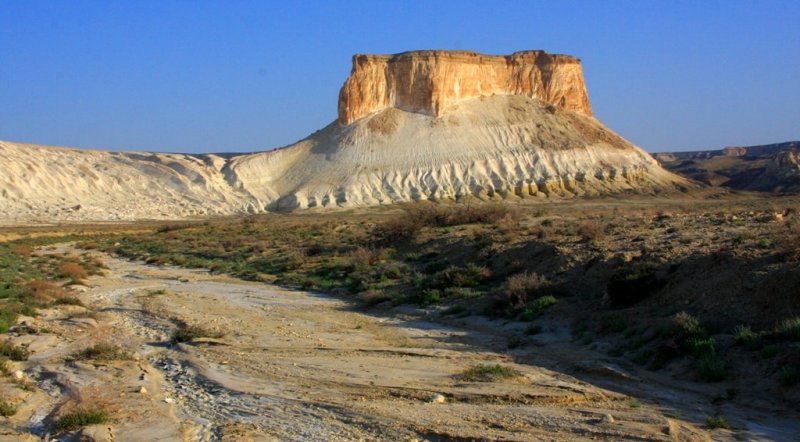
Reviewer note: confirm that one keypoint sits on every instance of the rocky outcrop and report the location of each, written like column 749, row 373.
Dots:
column 497, row 147
column 764, row 168
column 430, row 82
column 429, row 125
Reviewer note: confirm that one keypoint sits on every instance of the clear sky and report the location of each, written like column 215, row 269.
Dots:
column 235, row 76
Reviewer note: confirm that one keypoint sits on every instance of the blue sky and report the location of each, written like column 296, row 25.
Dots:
column 234, row 76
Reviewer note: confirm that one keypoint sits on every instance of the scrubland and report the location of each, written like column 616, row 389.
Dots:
column 681, row 295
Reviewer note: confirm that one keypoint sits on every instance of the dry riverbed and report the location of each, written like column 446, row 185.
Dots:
column 293, row 365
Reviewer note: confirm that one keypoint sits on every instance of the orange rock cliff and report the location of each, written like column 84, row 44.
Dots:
column 431, row 81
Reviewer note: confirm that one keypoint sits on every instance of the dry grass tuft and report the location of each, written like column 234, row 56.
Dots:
column 43, row 291
column 518, row 290
column 87, row 407
column 427, row 214
column 73, row 271
column 103, row 352
column 22, row 249
column 488, row 373
column 592, row 230
column 786, row 238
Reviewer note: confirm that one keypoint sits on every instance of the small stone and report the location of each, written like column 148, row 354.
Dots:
column 169, row 400
column 18, row 375
column 142, row 390
column 608, row 419
column 438, row 399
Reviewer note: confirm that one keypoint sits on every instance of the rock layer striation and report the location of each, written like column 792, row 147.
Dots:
column 427, row 125
column 430, row 82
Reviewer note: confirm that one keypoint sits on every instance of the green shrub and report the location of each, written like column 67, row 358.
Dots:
column 80, row 417
column 462, row 292
column 454, row 276
column 7, row 409
column 363, row 257
column 186, row 333
column 372, row 297
column 103, row 352
column 789, row 376
column 488, row 373
column 517, row 290
column 769, row 351
column 458, row 214
column 515, row 342
column 8, row 317
column 718, row 421
column 747, row 337
column 13, row 352
column 687, row 326
column 68, row 300
column 527, row 315
column 711, row 368
column 533, row 329
column 455, row 310
column 613, row 324
column 429, row 296
column 743, row 334
column 702, row 346
column 543, row 302
column 790, row 328
column 537, row 306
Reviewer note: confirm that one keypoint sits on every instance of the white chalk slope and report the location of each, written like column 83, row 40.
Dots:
column 499, row 146
column 50, row 183
column 489, row 147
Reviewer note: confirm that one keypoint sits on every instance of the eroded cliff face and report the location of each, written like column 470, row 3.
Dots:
column 429, row 125
column 429, row 82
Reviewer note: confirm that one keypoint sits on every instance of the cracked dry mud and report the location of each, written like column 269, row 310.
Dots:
column 294, row 365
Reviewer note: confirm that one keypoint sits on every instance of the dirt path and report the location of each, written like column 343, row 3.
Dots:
column 298, row 366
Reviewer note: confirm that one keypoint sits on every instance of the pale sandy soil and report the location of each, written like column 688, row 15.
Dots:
column 294, row 365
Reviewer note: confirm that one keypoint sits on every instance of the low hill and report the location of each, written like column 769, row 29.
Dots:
column 765, row 168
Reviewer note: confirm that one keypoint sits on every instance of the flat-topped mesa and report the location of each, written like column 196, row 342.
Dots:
column 431, row 81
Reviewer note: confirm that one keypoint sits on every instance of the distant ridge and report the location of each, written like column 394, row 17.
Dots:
column 765, row 168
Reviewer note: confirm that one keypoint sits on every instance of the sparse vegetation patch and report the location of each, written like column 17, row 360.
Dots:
column 88, row 406
column 719, row 421
column 13, row 352
column 103, row 352
column 488, row 373
column 711, row 368
column 790, row 328
column 643, row 282
column 81, row 416
column 789, row 376
column 186, row 333
column 7, row 409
